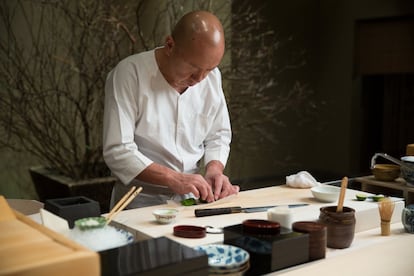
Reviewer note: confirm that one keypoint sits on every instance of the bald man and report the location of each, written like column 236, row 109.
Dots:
column 166, row 114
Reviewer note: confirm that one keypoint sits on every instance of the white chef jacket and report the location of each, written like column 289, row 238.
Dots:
column 146, row 121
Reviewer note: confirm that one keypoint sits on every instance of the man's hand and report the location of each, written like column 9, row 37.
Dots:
column 218, row 181
column 179, row 183
column 194, row 183
column 183, row 183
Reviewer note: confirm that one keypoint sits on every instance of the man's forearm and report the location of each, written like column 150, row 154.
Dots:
column 158, row 174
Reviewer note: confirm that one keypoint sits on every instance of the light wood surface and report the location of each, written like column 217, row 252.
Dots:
column 369, row 254
column 28, row 248
column 370, row 184
column 142, row 223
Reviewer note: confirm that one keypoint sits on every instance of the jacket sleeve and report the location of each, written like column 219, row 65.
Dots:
column 120, row 152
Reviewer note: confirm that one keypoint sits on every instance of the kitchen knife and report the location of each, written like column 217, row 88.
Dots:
column 238, row 209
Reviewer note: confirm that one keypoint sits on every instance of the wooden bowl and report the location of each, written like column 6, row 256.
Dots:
column 386, row 172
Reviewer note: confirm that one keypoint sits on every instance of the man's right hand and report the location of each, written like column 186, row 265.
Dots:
column 179, row 183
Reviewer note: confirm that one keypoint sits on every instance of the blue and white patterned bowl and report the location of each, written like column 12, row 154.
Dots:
column 407, row 218
column 408, row 173
column 223, row 256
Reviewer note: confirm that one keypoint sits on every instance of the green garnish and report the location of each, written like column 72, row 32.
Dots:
column 361, row 197
column 377, row 197
column 192, row 201
column 188, row 201
column 90, row 223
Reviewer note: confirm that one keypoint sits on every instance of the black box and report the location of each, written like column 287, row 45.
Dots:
column 159, row 256
column 269, row 252
column 73, row 208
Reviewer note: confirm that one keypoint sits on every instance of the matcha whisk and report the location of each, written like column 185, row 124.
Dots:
column 386, row 209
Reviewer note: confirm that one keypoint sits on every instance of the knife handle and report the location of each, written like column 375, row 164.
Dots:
column 216, row 211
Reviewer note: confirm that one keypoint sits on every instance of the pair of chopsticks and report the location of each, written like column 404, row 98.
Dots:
column 123, row 202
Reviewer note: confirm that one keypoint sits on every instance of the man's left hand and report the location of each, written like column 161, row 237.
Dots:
column 219, row 182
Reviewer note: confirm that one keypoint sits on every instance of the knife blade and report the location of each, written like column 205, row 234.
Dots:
column 238, row 209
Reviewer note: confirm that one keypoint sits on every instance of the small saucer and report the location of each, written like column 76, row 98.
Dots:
column 189, row 231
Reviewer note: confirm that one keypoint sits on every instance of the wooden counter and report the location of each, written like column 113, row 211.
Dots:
column 369, row 254
column 397, row 187
column 143, row 224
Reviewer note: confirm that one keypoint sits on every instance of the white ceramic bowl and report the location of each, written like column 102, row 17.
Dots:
column 165, row 216
column 326, row 193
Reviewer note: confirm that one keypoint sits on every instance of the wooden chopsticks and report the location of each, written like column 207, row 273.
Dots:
column 123, row 202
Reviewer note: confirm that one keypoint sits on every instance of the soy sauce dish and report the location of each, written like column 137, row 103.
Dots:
column 165, row 216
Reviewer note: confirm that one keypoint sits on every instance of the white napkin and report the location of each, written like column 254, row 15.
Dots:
column 302, row 179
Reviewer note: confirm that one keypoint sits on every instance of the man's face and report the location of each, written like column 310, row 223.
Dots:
column 191, row 64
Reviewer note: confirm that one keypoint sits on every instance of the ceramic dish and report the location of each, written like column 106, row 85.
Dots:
column 165, row 216
column 189, row 231
column 223, row 256
column 90, row 223
column 326, row 193
column 239, row 270
column 408, row 172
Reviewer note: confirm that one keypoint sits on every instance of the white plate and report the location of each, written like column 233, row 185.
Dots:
column 223, row 256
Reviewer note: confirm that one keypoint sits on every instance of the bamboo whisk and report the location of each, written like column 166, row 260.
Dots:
column 386, row 208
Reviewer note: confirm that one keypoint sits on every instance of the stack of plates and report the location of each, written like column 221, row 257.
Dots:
column 225, row 259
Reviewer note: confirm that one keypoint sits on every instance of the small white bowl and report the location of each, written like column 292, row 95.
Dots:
column 326, row 193
column 165, row 216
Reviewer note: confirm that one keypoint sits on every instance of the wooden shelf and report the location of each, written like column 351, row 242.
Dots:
column 398, row 187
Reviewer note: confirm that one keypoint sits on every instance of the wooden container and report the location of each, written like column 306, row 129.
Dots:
column 28, row 248
column 410, row 149
column 386, row 172
column 317, row 237
column 340, row 226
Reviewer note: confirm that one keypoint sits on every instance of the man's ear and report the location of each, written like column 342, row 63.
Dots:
column 169, row 43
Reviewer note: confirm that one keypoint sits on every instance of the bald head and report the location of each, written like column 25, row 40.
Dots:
column 192, row 51
column 199, row 27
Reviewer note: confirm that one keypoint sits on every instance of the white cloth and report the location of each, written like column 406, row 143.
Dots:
column 302, row 179
column 146, row 120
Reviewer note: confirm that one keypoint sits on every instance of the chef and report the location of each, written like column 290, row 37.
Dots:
column 166, row 116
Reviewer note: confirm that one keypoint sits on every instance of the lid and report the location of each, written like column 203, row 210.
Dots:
column 261, row 227
column 189, row 231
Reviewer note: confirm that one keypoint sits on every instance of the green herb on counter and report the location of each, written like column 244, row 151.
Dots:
column 188, row 201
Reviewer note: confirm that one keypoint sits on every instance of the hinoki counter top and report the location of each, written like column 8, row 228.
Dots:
column 142, row 222
column 369, row 254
